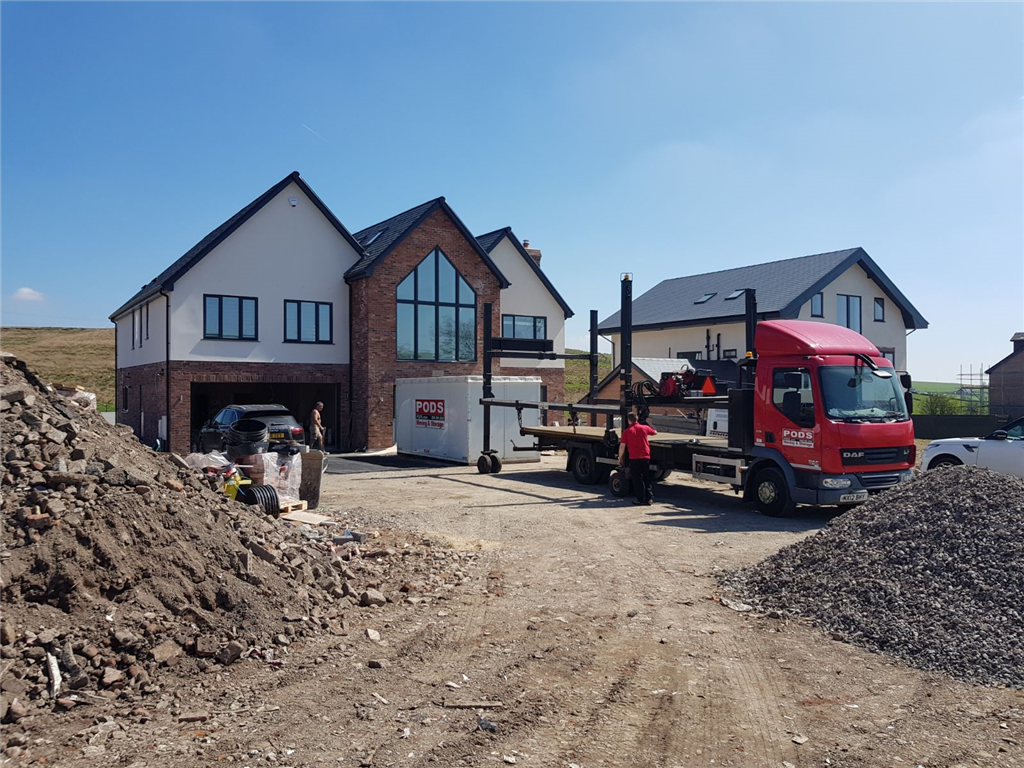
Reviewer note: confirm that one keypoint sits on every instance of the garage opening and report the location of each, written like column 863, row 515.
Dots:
column 208, row 399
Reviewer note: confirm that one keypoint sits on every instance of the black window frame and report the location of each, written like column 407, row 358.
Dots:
column 697, row 355
column 533, row 321
column 147, row 320
column 820, row 297
column 220, row 317
column 124, row 399
column 736, row 294
column 730, row 354
column 316, row 321
column 879, row 305
column 706, row 297
column 415, row 302
column 889, row 353
column 133, row 329
column 860, row 313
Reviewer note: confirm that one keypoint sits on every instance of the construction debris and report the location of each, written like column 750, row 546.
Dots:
column 931, row 572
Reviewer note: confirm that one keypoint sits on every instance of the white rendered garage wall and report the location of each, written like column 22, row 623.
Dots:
column 671, row 341
column 527, row 295
column 148, row 345
column 890, row 334
column 280, row 253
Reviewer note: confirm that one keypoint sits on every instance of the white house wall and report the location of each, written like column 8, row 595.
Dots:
column 527, row 295
column 142, row 350
column 672, row 341
column 891, row 334
column 280, row 253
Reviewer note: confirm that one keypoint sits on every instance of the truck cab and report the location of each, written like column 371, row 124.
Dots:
column 830, row 421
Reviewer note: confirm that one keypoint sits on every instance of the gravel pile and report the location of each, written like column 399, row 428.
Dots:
column 123, row 571
column 931, row 572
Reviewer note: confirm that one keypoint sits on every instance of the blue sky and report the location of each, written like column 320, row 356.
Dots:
column 662, row 139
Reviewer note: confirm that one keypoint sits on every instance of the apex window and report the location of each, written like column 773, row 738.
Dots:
column 230, row 317
column 848, row 311
column 308, row 322
column 817, row 305
column 879, row 310
column 524, row 327
column 436, row 312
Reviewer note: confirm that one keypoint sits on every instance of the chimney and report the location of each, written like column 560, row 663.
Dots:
column 534, row 252
column 1018, row 341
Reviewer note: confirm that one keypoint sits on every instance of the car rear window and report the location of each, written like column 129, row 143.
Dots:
column 279, row 416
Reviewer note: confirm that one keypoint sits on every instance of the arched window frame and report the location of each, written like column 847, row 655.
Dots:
column 428, row 303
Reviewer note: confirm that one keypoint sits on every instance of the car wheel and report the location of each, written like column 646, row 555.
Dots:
column 771, row 493
column 944, row 461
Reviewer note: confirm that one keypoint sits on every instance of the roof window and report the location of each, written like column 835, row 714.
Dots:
column 736, row 294
column 705, row 298
column 375, row 235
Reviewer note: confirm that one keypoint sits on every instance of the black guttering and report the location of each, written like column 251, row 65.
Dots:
column 366, row 270
column 533, row 265
column 165, row 281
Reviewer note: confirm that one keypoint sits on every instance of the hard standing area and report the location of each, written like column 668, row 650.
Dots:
column 596, row 626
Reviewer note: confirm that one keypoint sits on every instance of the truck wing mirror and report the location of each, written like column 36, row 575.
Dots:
column 793, row 380
column 909, row 399
column 906, row 381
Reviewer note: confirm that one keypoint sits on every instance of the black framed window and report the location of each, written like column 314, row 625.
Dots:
column 848, row 311
column 147, row 319
column 308, row 322
column 133, row 329
column 230, row 317
column 729, row 354
column 524, row 327
column 879, row 310
column 818, row 305
column 693, row 355
column 889, row 354
column 124, row 399
column 435, row 312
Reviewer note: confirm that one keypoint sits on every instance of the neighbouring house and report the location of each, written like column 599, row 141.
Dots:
column 701, row 317
column 1006, row 382
column 282, row 303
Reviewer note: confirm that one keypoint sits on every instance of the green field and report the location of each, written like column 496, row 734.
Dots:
column 577, row 374
column 76, row 356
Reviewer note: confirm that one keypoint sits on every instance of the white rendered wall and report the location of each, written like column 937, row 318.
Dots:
column 669, row 342
column 527, row 295
column 280, row 253
column 151, row 350
column 891, row 334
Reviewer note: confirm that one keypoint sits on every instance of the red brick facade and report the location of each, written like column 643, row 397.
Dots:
column 374, row 341
column 141, row 399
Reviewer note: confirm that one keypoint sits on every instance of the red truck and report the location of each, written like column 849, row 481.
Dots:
column 817, row 416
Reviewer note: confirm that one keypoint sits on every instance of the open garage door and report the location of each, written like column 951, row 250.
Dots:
column 208, row 399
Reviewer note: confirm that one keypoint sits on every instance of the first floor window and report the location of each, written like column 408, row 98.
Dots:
column 848, row 311
column 729, row 354
column 817, row 305
column 308, row 322
column 230, row 317
column 524, row 327
column 694, row 355
column 435, row 312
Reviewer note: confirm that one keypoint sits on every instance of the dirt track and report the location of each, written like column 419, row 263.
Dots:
column 591, row 621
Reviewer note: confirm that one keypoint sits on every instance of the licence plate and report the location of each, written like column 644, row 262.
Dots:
column 277, row 435
column 858, row 496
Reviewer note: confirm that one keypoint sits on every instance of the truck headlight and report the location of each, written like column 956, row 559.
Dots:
column 836, row 482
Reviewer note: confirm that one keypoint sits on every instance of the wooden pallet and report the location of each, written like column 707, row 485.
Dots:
column 295, row 506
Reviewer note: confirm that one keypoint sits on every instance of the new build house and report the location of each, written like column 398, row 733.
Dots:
column 701, row 317
column 282, row 303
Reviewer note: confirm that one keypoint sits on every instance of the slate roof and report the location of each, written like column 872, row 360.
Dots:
column 378, row 240
column 166, row 279
column 782, row 288
column 490, row 240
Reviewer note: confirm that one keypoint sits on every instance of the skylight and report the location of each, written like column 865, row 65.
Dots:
column 375, row 235
column 706, row 297
column 735, row 294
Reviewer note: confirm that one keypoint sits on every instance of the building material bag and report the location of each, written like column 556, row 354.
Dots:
column 287, row 474
column 313, row 465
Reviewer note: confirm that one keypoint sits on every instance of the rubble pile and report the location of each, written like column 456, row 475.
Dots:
column 122, row 568
column 931, row 572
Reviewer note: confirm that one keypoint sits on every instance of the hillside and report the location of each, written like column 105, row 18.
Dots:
column 82, row 356
column 577, row 374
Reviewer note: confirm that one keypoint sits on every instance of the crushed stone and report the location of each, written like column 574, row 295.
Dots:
column 930, row 572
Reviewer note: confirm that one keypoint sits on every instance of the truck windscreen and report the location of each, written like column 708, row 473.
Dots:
column 854, row 393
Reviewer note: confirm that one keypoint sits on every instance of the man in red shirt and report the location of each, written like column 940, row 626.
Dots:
column 634, row 439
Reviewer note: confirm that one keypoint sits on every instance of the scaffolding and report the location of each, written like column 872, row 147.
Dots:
column 972, row 393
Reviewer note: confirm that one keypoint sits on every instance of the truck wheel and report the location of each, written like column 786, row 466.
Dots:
column 618, row 484
column 584, row 468
column 495, row 463
column 771, row 494
column 661, row 475
column 945, row 461
column 483, row 465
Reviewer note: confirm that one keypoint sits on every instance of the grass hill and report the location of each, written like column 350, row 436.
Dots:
column 78, row 356
column 577, row 374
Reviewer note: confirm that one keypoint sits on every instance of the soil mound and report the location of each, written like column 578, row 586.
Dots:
column 120, row 566
column 931, row 572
